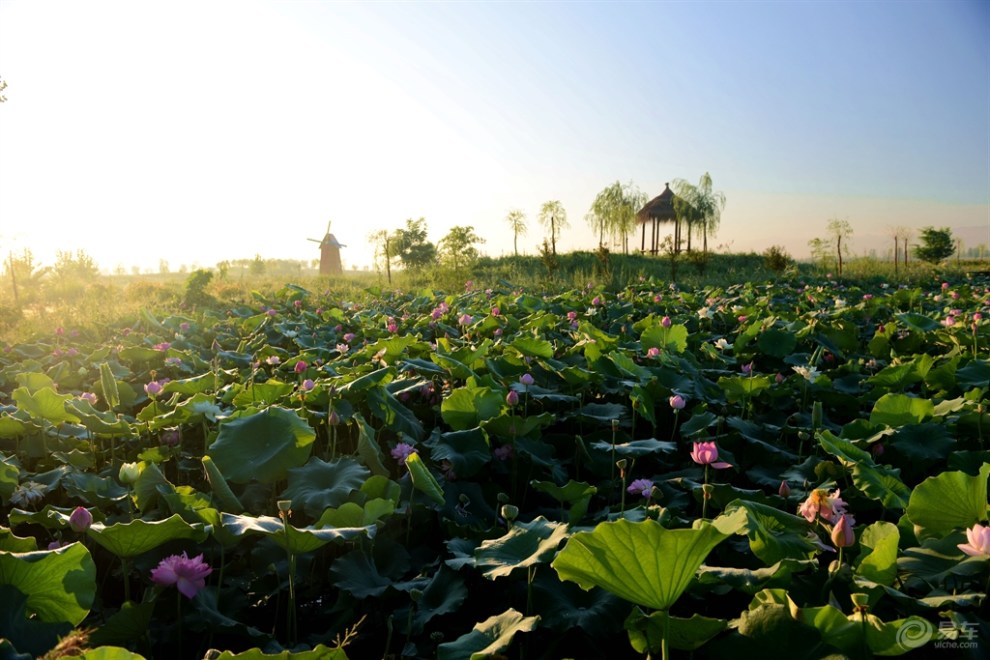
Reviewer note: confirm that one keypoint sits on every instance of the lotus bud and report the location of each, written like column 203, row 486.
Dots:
column 80, row 519
column 129, row 473
column 784, row 490
column 816, row 415
column 843, row 535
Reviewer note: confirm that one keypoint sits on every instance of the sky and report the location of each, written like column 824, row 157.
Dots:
column 200, row 131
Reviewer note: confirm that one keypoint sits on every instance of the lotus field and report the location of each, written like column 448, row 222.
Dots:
column 786, row 470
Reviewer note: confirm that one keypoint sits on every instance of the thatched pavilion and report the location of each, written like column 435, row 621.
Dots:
column 657, row 210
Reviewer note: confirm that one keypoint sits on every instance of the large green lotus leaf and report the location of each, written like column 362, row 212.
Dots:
column 294, row 539
column 917, row 322
column 644, row 403
column 739, row 388
column 23, row 637
column 751, row 581
column 526, row 544
column 139, row 536
column 386, row 407
column 139, row 354
column 532, row 347
column 262, row 446
column 351, row 514
column 8, row 478
column 878, row 552
column 895, row 410
column 125, row 626
column 467, row 407
column 368, row 381
column 974, row 374
column 672, row 339
column 34, row 381
column 11, row 427
column 368, row 448
column 774, row 535
column 467, row 451
column 777, row 343
column 101, row 422
column 393, row 348
column 263, row 394
column 635, row 448
column 44, row 404
column 564, row 606
column 319, row 652
column 646, row 632
column 207, row 382
column 513, row 426
column 641, row 562
column 110, row 653
column 576, row 493
column 444, row 594
column 319, row 485
column 146, row 486
column 605, row 412
column 628, row 367
column 60, row 585
column 876, row 482
column 938, row 559
column 836, row 629
column 10, row 542
column 947, row 502
column 490, row 637
column 357, row 574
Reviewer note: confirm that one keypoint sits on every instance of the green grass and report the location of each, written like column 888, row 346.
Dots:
column 102, row 304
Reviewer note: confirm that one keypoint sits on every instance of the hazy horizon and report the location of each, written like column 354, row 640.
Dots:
column 201, row 132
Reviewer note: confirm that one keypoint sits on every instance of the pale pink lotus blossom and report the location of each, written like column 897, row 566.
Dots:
column 188, row 575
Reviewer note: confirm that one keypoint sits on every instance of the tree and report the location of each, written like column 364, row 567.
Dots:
column 457, row 249
column 937, row 244
column 516, row 220
column 553, row 217
column 707, row 205
column 382, row 241
column 3, row 86
column 411, row 246
column 614, row 213
column 840, row 231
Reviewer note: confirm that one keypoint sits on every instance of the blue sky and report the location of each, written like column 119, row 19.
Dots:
column 200, row 131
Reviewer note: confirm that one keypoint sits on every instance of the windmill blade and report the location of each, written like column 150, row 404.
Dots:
column 328, row 225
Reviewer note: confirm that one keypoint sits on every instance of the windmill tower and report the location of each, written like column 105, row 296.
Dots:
column 329, row 254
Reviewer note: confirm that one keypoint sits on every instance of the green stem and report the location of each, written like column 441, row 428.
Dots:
column 704, row 497
column 125, row 570
column 178, row 618
column 664, row 649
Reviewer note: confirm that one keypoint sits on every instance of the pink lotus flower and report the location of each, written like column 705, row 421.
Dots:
column 571, row 316
column 512, row 398
column 677, row 402
column 784, row 490
column 349, row 337
column 80, row 519
column 822, row 503
column 300, row 366
column 188, row 575
column 706, row 453
column 641, row 487
column 496, row 311
column 89, row 396
column 402, row 451
column 308, row 385
column 503, row 452
column 526, row 379
column 153, row 389
column 979, row 541
column 466, row 319
column 666, row 322
column 843, row 535
column 653, row 352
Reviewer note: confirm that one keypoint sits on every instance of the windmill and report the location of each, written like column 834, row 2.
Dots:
column 329, row 253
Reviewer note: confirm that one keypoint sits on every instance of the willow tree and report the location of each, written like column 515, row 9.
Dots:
column 516, row 220
column 706, row 204
column 613, row 213
column 553, row 217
